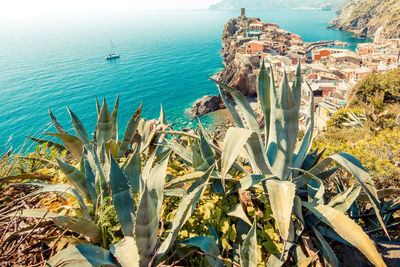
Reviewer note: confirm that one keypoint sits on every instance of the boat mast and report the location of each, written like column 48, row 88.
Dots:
column 112, row 47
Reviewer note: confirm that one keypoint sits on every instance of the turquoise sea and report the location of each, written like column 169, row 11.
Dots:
column 166, row 56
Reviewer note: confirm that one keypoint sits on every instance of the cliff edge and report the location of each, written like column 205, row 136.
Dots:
column 239, row 72
column 365, row 17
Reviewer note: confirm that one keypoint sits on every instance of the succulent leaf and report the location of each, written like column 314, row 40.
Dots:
column 206, row 151
column 114, row 119
column 122, row 199
column 364, row 179
column 77, row 178
column 248, row 252
column 184, row 211
column 72, row 143
column 207, row 245
column 82, row 255
column 281, row 197
column 238, row 212
column 90, row 181
column 180, row 150
column 243, row 105
column 133, row 169
column 156, row 181
column 126, row 252
column 56, row 123
column 104, row 127
column 344, row 200
column 264, row 98
column 235, row 139
column 308, row 137
column 256, row 155
column 79, row 225
column 130, row 131
column 57, row 146
column 146, row 227
column 61, row 190
column 80, row 130
column 284, row 132
column 162, row 119
column 297, row 85
column 232, row 110
column 327, row 251
column 347, row 229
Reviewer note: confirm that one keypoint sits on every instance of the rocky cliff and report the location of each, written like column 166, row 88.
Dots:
column 239, row 70
column 365, row 17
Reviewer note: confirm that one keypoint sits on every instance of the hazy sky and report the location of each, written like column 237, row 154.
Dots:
column 21, row 8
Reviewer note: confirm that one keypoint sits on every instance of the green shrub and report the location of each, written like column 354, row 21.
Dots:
column 382, row 84
column 342, row 116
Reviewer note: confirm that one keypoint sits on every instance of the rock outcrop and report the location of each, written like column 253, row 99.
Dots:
column 365, row 17
column 206, row 104
column 239, row 71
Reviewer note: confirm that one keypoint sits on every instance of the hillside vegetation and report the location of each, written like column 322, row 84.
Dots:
column 369, row 128
column 365, row 17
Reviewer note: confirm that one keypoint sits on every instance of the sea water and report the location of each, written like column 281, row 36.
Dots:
column 166, row 56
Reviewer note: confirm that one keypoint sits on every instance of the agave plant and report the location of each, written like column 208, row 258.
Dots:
column 355, row 121
column 293, row 179
column 101, row 176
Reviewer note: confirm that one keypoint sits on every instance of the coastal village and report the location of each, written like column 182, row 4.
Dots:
column 331, row 72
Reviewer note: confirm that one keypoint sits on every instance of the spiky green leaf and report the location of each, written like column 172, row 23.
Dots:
column 61, row 190
column 114, row 119
column 75, row 224
column 281, row 196
column 235, row 139
column 207, row 245
column 80, row 130
column 77, row 178
column 104, row 127
column 347, row 229
column 146, row 227
column 243, row 105
column 264, row 98
column 344, row 200
column 283, row 134
column 249, row 252
column 84, row 255
column 184, row 211
column 327, row 251
column 72, row 143
column 126, row 252
column 123, row 201
column 130, row 131
column 133, row 169
column 238, row 212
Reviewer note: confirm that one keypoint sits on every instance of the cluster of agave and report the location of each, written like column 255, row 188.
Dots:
column 101, row 176
column 292, row 179
column 355, row 121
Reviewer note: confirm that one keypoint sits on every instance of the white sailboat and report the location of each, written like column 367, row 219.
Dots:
column 112, row 55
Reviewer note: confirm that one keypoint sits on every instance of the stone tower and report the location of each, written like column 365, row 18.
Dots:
column 243, row 12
